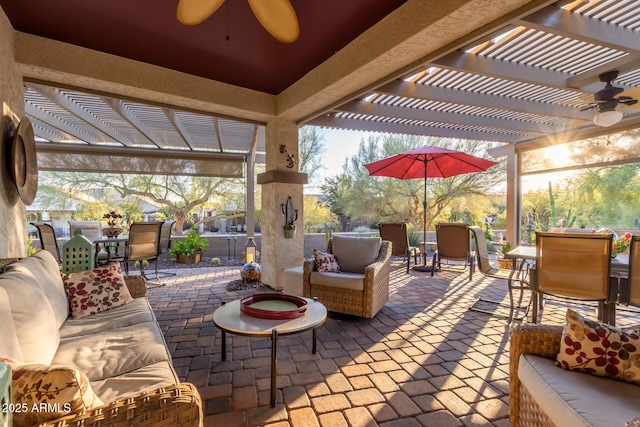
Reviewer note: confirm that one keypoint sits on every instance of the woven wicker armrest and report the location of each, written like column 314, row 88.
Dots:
column 137, row 286
column 539, row 340
column 177, row 405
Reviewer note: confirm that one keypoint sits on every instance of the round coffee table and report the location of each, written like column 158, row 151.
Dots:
column 229, row 318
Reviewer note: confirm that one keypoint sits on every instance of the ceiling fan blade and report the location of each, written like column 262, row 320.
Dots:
column 633, row 94
column 193, row 12
column 277, row 17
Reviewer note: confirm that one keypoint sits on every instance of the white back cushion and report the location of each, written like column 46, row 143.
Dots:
column 34, row 320
column 354, row 254
column 9, row 345
column 42, row 268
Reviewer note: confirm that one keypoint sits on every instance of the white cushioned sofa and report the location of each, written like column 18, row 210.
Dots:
column 361, row 287
column 121, row 350
column 543, row 394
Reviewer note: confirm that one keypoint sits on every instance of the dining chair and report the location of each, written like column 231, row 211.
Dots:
column 454, row 244
column 165, row 244
column 48, row 240
column 575, row 266
column 90, row 229
column 396, row 233
column 143, row 244
column 630, row 286
column 517, row 278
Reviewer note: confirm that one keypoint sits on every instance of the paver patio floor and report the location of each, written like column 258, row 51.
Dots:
column 424, row 360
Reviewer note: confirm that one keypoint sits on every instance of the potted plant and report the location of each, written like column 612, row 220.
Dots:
column 113, row 221
column 502, row 261
column 189, row 249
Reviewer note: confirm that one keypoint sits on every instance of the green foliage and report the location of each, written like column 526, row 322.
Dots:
column 92, row 211
column 215, row 261
column 328, row 233
column 145, row 264
column 317, row 215
column 190, row 244
column 30, row 249
column 362, row 229
column 356, row 194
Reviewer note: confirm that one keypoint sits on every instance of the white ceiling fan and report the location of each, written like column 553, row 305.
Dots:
column 276, row 16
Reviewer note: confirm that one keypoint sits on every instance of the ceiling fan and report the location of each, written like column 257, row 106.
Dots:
column 276, row 16
column 607, row 100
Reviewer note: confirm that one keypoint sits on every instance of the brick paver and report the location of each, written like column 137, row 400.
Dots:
column 424, row 360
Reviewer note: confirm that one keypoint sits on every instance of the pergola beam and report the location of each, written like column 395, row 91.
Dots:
column 64, row 126
column 447, row 131
column 216, row 127
column 392, row 111
column 173, row 118
column 121, row 108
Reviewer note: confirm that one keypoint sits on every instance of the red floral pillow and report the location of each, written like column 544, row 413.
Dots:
column 325, row 262
column 599, row 349
column 96, row 290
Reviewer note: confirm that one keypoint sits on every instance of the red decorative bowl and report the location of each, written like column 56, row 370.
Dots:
column 273, row 306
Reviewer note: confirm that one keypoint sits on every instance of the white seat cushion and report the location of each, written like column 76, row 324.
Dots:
column 136, row 312
column 578, row 399
column 351, row 281
column 142, row 379
column 111, row 353
column 293, row 281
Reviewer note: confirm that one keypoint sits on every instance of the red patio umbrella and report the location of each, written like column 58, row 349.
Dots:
column 428, row 162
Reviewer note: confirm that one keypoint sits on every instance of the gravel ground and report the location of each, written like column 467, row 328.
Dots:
column 166, row 262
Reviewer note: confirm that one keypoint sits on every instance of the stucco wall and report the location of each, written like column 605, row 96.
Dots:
column 12, row 210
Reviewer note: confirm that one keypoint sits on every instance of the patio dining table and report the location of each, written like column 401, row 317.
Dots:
column 113, row 246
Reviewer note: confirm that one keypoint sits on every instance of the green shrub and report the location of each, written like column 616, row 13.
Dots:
column 189, row 245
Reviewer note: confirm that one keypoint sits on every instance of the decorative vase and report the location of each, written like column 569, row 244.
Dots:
column 251, row 272
column 111, row 231
column 289, row 232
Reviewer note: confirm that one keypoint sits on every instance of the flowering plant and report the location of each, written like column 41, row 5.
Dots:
column 112, row 218
column 620, row 244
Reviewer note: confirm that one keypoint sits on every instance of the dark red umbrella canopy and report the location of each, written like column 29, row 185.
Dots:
column 428, row 162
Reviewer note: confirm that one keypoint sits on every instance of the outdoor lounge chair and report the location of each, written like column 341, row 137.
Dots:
column 361, row 288
column 516, row 278
column 396, row 233
column 454, row 244
column 574, row 266
column 48, row 240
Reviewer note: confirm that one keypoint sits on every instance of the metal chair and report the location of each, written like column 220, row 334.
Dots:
column 165, row 244
column 516, row 278
column 48, row 240
column 90, row 229
column 143, row 244
column 575, row 266
column 454, row 244
column 396, row 233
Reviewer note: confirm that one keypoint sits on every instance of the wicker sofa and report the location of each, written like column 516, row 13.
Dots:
column 361, row 288
column 542, row 394
column 120, row 351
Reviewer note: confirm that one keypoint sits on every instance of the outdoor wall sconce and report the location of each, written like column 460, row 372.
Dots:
column 291, row 216
column 250, row 251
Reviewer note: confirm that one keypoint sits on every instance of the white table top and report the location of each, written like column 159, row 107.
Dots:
column 229, row 318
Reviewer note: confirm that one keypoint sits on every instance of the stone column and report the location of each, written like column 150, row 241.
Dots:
column 280, row 181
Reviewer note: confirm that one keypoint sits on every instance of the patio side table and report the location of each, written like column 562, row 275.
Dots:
column 229, row 318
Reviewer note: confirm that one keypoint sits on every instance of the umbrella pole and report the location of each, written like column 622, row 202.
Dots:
column 424, row 267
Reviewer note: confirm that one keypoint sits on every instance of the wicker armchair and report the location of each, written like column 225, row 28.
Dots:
column 539, row 340
column 177, row 405
column 365, row 303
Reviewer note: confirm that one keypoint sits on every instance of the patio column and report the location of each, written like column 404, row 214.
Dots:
column 12, row 210
column 513, row 196
column 280, row 181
